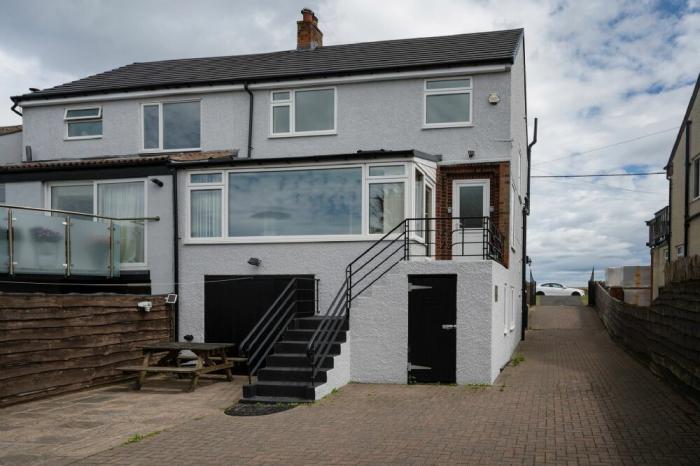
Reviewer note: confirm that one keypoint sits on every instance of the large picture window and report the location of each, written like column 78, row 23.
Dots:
column 171, row 126
column 448, row 102
column 302, row 112
column 295, row 202
column 112, row 199
column 310, row 203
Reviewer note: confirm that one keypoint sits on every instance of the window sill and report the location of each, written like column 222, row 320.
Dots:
column 448, row 125
column 299, row 135
column 168, row 151
column 285, row 239
column 82, row 138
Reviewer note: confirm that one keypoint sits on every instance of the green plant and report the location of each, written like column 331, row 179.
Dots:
column 412, row 379
column 138, row 437
column 517, row 359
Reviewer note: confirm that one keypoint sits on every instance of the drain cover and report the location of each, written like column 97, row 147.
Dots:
column 257, row 409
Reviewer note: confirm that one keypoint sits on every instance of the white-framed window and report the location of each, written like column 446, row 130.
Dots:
column 695, row 176
column 513, row 305
column 386, row 197
column 303, row 112
column 112, row 198
column 505, row 308
column 447, row 102
column 278, row 204
column 514, row 203
column 422, row 204
column 170, row 126
column 83, row 122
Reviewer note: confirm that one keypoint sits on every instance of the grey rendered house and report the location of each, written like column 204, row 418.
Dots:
column 342, row 213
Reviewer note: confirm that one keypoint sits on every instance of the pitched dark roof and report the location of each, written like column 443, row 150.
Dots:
column 681, row 130
column 493, row 47
column 10, row 129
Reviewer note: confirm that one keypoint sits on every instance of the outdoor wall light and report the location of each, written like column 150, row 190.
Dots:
column 157, row 182
column 470, row 153
column 254, row 261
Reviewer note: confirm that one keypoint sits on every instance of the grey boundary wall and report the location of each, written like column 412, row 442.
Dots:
column 52, row 344
column 664, row 336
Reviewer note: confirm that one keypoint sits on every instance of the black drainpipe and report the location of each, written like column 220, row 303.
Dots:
column 526, row 212
column 250, row 119
column 14, row 108
column 686, row 213
column 176, row 256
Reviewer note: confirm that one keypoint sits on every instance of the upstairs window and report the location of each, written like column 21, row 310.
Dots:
column 171, row 126
column 695, row 175
column 448, row 102
column 83, row 123
column 302, row 113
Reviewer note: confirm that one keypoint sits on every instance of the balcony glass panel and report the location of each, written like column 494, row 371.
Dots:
column 39, row 244
column 89, row 244
column 4, row 256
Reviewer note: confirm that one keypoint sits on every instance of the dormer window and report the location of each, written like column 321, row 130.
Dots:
column 171, row 126
column 83, row 123
column 448, row 102
column 305, row 112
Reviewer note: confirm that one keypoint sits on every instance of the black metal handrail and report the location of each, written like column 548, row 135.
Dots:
column 256, row 346
column 385, row 253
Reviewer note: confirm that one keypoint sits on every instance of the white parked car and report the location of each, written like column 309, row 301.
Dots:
column 557, row 289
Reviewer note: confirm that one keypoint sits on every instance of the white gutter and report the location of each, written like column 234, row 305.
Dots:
column 270, row 85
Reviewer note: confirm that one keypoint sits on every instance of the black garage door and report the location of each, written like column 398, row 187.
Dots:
column 233, row 304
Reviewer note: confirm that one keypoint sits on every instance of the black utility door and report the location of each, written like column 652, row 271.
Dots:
column 432, row 330
column 233, row 304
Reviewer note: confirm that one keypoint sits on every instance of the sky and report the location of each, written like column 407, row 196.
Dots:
column 599, row 73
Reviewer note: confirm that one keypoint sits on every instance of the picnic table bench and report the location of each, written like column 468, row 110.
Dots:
column 208, row 357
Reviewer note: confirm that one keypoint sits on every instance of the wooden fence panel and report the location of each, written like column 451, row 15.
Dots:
column 52, row 344
column 665, row 336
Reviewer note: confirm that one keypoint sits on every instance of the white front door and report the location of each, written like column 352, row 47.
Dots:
column 470, row 204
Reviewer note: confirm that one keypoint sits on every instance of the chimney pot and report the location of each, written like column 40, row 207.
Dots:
column 309, row 36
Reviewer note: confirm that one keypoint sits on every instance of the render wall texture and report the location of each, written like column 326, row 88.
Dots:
column 379, row 323
column 371, row 115
column 11, row 148
column 678, row 189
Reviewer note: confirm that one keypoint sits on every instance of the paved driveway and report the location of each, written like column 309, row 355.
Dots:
column 576, row 398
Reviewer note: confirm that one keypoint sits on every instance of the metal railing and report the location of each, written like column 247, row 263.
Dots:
column 432, row 237
column 260, row 341
column 65, row 242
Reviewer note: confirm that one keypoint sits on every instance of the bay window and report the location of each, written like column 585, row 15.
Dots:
column 171, row 126
column 282, row 204
column 302, row 112
column 124, row 198
column 447, row 102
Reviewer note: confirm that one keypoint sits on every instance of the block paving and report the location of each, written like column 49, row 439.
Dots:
column 575, row 399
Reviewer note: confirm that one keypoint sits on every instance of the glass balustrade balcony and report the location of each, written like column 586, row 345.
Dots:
column 50, row 242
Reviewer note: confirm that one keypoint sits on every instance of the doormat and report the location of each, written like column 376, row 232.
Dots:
column 258, row 409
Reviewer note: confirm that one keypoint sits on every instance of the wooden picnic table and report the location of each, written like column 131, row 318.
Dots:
column 209, row 357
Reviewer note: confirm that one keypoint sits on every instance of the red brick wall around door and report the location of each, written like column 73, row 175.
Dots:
column 498, row 174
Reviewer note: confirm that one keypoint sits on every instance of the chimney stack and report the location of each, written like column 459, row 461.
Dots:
column 309, row 36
